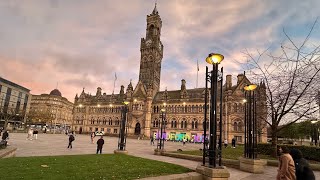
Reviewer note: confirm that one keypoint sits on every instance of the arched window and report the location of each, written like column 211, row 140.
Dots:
column 175, row 124
column 157, row 123
column 181, row 125
column 185, row 124
column 192, row 125
column 196, row 125
column 239, row 126
column 172, row 124
column 235, row 126
column 154, row 109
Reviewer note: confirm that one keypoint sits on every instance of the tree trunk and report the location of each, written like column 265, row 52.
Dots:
column 274, row 142
column 5, row 125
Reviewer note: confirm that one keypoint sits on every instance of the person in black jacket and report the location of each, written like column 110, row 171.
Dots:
column 100, row 143
column 5, row 135
column 71, row 139
column 303, row 170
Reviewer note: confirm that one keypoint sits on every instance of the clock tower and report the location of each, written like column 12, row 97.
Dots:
column 151, row 49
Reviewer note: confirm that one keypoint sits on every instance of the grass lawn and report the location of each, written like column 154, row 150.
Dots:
column 227, row 153
column 106, row 166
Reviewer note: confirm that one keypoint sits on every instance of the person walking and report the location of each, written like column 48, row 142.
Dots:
column 100, row 143
column 184, row 141
column 286, row 169
column 5, row 135
column 151, row 141
column 71, row 139
column 233, row 143
column 303, row 170
column 92, row 137
column 225, row 142
column 30, row 133
column 35, row 134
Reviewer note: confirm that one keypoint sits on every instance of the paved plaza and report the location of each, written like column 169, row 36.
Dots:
column 56, row 144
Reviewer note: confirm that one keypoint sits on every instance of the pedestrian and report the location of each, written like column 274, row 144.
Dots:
column 71, row 139
column 184, row 141
column 92, row 137
column 233, row 143
column 286, row 169
column 225, row 143
column 30, row 133
column 5, row 135
column 45, row 130
column 35, row 134
column 151, row 141
column 303, row 170
column 100, row 143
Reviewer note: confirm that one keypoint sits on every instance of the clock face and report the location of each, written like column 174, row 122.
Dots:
column 148, row 42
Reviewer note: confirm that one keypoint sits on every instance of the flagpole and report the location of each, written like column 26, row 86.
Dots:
column 114, row 83
column 197, row 74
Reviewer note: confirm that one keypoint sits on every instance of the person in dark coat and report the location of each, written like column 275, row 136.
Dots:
column 5, row 135
column 303, row 170
column 71, row 139
column 233, row 143
column 100, row 143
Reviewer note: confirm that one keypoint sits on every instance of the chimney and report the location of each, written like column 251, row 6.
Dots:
column 229, row 81
column 240, row 77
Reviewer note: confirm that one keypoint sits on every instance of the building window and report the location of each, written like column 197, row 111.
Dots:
column 115, row 131
column 192, row 125
column 196, row 125
column 238, row 138
column 96, row 129
column 235, row 126
column 102, row 129
column 90, row 129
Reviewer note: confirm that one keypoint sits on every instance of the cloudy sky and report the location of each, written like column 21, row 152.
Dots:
column 82, row 43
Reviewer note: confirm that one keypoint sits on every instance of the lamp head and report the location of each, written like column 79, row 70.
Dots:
column 80, row 105
column 184, row 103
column 314, row 121
column 163, row 110
column 126, row 102
column 164, row 104
column 135, row 100
column 244, row 100
column 250, row 87
column 214, row 58
column 98, row 105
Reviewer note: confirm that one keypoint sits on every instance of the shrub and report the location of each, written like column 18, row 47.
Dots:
column 309, row 152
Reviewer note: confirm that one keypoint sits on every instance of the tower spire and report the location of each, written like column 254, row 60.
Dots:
column 155, row 11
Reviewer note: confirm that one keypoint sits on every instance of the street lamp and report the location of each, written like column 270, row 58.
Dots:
column 250, row 121
column 212, row 77
column 122, row 135
column 162, row 128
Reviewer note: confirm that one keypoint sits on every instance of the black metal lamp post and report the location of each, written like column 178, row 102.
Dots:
column 162, row 128
column 212, row 77
column 123, row 130
column 250, row 123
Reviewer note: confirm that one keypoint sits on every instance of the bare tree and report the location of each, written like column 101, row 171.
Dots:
column 7, row 115
column 291, row 77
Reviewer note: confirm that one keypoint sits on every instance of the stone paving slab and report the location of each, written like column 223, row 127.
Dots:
column 56, row 144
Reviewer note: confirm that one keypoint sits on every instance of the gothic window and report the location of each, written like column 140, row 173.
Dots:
column 185, row 124
column 192, row 125
column 157, row 123
column 172, row 124
column 175, row 124
column 235, row 108
column 181, row 125
column 235, row 126
column 196, row 125
column 154, row 109
column 239, row 126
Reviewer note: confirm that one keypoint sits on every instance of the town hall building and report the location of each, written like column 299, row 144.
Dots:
column 184, row 108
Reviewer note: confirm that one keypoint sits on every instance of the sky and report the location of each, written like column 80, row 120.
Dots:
column 76, row 44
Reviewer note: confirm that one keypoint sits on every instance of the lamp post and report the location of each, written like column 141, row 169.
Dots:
column 250, row 121
column 162, row 128
column 123, row 132
column 212, row 77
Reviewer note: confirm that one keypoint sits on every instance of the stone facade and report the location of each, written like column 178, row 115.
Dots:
column 184, row 107
column 51, row 109
column 14, row 104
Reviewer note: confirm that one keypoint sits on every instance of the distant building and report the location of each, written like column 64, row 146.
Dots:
column 14, row 103
column 51, row 109
column 184, row 107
